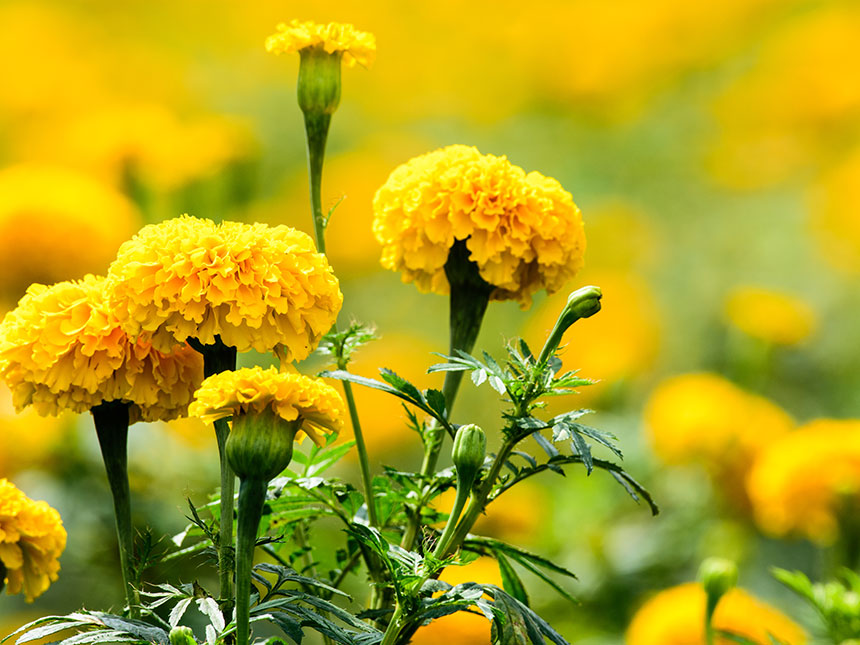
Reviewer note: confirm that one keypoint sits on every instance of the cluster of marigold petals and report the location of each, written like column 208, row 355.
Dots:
column 251, row 285
column 63, row 348
column 32, row 538
column 356, row 46
column 523, row 230
column 255, row 390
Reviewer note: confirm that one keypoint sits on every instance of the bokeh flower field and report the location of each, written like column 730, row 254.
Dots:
column 713, row 150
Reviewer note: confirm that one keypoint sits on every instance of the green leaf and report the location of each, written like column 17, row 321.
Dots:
column 580, row 446
column 400, row 384
column 47, row 630
column 178, row 611
column 510, row 580
column 436, row 400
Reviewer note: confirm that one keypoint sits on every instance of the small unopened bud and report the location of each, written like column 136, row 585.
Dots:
column 718, row 576
column 318, row 88
column 582, row 303
column 182, row 636
column 470, row 448
column 260, row 445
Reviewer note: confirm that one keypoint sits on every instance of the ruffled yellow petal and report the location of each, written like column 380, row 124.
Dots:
column 356, row 46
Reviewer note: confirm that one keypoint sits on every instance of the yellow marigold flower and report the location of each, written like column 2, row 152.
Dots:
column 676, row 616
column 834, row 202
column 32, row 538
column 56, row 224
column 62, row 348
column 356, row 46
column 771, row 316
column 522, row 229
column 256, row 390
column 28, row 440
column 801, row 482
column 253, row 285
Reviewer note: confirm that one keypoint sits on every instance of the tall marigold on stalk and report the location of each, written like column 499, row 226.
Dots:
column 703, row 418
column 334, row 38
column 32, row 538
column 676, row 616
column 522, row 230
column 62, row 348
column 252, row 285
column 57, row 224
column 802, row 482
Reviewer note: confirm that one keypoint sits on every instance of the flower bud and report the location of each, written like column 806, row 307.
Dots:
column 470, row 447
column 582, row 303
column 182, row 636
column 318, row 86
column 718, row 576
column 260, row 444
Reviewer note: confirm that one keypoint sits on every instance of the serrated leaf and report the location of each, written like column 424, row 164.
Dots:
column 400, row 384
column 496, row 383
column 581, row 447
column 436, row 400
column 47, row 630
column 531, row 423
column 178, row 611
column 547, row 446
column 479, row 376
column 603, row 438
column 449, row 367
column 209, row 608
column 133, row 627
column 510, row 580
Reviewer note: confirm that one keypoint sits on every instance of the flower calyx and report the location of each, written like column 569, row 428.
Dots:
column 468, row 452
column 260, row 445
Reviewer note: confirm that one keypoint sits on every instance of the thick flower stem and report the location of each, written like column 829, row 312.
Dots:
column 316, row 128
column 442, row 545
column 218, row 358
column 252, row 495
column 710, row 607
column 111, row 421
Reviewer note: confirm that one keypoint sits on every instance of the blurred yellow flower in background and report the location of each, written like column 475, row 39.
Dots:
column 676, row 616
column 253, row 285
column 622, row 237
column 620, row 343
column 356, row 46
column 56, row 224
column 522, row 230
column 702, row 418
column 32, row 538
column 254, row 390
column 834, row 204
column 802, row 482
column 772, row 316
column 462, row 628
column 62, row 348
column 28, row 440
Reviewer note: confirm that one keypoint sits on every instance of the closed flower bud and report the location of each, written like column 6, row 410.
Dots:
column 582, row 303
column 260, row 445
column 182, row 636
column 470, row 447
column 718, row 576
column 318, row 87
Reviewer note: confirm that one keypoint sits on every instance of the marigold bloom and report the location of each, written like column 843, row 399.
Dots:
column 253, row 285
column 256, row 390
column 32, row 538
column 356, row 46
column 801, row 482
column 522, row 229
column 62, row 348
column 676, row 616
column 56, row 224
column 771, row 316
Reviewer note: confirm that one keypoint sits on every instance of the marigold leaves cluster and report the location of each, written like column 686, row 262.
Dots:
column 772, row 316
column 62, row 348
column 523, row 230
column 32, row 538
column 802, row 483
column 254, row 390
column 253, row 285
column 355, row 46
column 676, row 616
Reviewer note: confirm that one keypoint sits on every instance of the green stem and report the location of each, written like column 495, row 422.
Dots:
column 710, row 607
column 442, row 545
column 252, row 495
column 316, row 128
column 393, row 629
column 218, row 358
column 363, row 460
column 111, row 421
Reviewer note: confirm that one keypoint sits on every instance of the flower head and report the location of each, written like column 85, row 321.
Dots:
column 253, row 285
column 522, row 230
column 800, row 482
column 334, row 38
column 62, row 348
column 32, row 538
column 676, row 616
column 56, row 224
column 771, row 316
column 256, row 390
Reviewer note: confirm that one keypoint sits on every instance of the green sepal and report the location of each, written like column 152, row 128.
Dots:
column 260, row 445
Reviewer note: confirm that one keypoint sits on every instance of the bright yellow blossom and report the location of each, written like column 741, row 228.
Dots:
column 56, row 224
column 255, row 390
column 356, row 46
column 522, row 230
column 253, row 285
column 32, row 538
column 801, row 482
column 771, row 316
column 676, row 616
column 62, row 348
